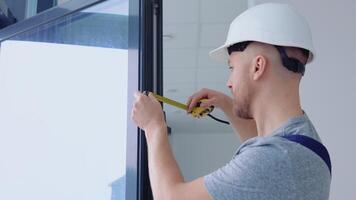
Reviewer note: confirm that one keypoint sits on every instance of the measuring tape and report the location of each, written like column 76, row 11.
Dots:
column 196, row 112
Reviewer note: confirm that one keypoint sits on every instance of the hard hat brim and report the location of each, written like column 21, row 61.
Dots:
column 220, row 54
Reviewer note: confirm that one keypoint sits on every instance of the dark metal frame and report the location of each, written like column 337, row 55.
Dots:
column 145, row 51
column 151, row 77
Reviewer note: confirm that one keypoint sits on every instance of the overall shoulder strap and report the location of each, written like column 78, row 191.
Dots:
column 313, row 145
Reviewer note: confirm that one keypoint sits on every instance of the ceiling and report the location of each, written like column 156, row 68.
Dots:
column 191, row 29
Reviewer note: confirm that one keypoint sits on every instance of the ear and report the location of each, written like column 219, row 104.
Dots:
column 259, row 67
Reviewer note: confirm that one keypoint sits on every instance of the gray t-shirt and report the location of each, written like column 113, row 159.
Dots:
column 272, row 167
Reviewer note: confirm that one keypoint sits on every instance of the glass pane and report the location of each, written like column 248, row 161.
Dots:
column 18, row 8
column 63, row 107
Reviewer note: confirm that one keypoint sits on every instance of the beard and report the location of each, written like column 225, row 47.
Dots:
column 242, row 107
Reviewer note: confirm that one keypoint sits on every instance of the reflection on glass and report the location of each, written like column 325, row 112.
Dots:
column 63, row 108
column 59, row 2
column 18, row 10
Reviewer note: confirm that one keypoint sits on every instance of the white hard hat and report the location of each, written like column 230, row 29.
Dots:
column 271, row 23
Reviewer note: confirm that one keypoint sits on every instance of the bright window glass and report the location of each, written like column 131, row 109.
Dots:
column 63, row 108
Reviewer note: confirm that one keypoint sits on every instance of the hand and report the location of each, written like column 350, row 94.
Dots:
column 147, row 112
column 244, row 128
column 214, row 98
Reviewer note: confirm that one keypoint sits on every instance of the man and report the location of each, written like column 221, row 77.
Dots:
column 267, row 48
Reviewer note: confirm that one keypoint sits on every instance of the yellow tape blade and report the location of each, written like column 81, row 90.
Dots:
column 170, row 102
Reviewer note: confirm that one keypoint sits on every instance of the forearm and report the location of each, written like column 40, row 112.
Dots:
column 163, row 168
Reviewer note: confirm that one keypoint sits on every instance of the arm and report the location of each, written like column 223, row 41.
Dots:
column 244, row 128
column 166, row 179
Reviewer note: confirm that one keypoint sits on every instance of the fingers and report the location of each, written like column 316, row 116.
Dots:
column 139, row 101
column 141, row 98
column 195, row 98
column 145, row 109
column 142, row 95
column 189, row 101
column 193, row 103
column 152, row 97
column 207, row 102
column 138, row 95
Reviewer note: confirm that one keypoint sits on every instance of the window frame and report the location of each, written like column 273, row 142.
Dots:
column 145, row 62
column 151, row 77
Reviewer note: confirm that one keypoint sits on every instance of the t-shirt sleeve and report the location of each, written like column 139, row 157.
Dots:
column 256, row 173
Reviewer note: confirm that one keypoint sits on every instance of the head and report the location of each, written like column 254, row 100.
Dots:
column 265, row 71
column 258, row 73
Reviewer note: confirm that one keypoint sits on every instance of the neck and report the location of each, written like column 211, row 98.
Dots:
column 276, row 111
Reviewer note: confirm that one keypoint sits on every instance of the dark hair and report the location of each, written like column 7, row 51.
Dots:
column 241, row 46
column 291, row 64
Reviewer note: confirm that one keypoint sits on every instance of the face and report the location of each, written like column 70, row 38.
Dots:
column 239, row 84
